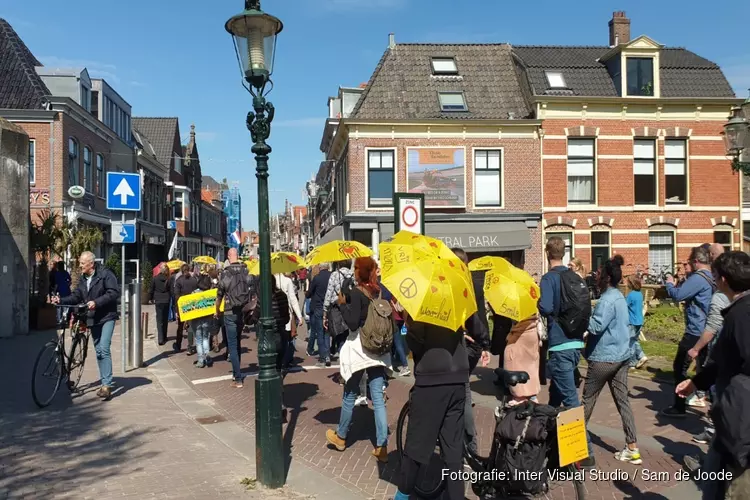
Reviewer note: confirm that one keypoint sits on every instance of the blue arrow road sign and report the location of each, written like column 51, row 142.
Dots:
column 123, row 232
column 123, row 191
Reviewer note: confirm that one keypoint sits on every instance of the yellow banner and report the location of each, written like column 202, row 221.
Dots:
column 198, row 305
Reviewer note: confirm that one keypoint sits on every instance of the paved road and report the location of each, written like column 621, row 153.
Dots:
column 315, row 398
column 175, row 431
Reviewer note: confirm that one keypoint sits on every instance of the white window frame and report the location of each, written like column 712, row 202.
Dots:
column 593, row 245
column 655, row 171
column 654, row 74
column 670, row 160
column 394, row 151
column 594, row 190
column 555, row 79
column 179, row 197
column 443, row 109
column 569, row 249
column 32, row 162
column 445, row 70
column 662, row 229
column 724, row 228
column 501, row 171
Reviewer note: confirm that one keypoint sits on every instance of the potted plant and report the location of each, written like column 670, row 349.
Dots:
column 45, row 233
column 147, row 275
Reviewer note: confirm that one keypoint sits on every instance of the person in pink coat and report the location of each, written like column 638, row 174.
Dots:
column 522, row 354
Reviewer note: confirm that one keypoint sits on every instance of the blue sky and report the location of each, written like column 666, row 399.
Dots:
column 173, row 58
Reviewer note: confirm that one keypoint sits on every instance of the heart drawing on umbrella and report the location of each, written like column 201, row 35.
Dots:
column 441, row 278
column 292, row 258
column 451, row 264
column 434, row 289
column 466, row 293
column 433, row 244
column 348, row 250
column 532, row 292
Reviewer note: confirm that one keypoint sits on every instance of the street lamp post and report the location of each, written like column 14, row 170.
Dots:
column 737, row 138
column 254, row 34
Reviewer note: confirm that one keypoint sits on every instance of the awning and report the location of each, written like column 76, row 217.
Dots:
column 336, row 233
column 475, row 236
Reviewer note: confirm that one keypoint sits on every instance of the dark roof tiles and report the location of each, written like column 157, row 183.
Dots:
column 161, row 133
column 683, row 73
column 20, row 86
column 403, row 87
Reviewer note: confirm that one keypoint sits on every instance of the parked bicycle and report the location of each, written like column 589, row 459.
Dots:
column 560, row 482
column 54, row 364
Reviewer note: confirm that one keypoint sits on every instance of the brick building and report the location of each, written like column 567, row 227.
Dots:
column 632, row 153
column 450, row 121
column 71, row 143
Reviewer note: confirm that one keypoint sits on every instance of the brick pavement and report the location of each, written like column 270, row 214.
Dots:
column 314, row 399
column 140, row 444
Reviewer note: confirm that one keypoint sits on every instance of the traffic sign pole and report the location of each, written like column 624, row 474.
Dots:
column 123, row 313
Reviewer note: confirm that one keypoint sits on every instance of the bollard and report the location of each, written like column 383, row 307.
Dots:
column 144, row 322
column 137, row 338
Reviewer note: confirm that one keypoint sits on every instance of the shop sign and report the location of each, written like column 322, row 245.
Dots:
column 439, row 174
column 39, row 197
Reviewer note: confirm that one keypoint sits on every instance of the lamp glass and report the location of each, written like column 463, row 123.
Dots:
column 736, row 133
column 254, row 35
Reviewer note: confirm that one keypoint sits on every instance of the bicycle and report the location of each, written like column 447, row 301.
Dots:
column 485, row 489
column 54, row 363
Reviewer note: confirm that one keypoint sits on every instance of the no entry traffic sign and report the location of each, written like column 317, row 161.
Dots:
column 409, row 212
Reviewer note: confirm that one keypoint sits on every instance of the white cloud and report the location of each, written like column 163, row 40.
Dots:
column 364, row 4
column 738, row 75
column 206, row 136
column 300, row 123
column 96, row 69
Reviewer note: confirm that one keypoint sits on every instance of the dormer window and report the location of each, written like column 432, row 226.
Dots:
column 452, row 101
column 640, row 76
column 555, row 80
column 444, row 66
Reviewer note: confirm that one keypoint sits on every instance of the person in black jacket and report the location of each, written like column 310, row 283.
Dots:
column 728, row 368
column 98, row 288
column 161, row 295
column 184, row 285
column 477, row 337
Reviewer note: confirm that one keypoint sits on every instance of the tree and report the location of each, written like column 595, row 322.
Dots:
column 77, row 238
column 45, row 234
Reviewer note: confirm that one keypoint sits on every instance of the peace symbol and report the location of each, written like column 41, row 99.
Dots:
column 408, row 287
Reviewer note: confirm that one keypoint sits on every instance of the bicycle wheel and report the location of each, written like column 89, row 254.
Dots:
column 77, row 359
column 429, row 483
column 47, row 375
column 565, row 487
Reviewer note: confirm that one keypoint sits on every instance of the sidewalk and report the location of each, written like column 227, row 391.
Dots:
column 141, row 444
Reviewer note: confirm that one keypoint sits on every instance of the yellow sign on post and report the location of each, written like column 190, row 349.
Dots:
column 198, row 305
column 571, row 436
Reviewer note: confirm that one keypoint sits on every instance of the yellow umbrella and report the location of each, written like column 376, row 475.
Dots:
column 432, row 289
column 281, row 263
column 425, row 244
column 204, row 259
column 174, row 265
column 511, row 292
column 488, row 262
column 337, row 250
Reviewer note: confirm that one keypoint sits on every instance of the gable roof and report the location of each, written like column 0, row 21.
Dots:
column 161, row 132
column 20, row 85
column 143, row 142
column 402, row 87
column 683, row 73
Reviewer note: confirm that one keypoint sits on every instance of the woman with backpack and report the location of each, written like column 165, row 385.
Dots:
column 355, row 360
column 608, row 353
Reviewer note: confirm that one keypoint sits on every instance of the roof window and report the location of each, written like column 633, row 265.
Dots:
column 555, row 79
column 452, row 101
column 444, row 66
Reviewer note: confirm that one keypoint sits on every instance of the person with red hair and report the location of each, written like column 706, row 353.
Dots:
column 354, row 361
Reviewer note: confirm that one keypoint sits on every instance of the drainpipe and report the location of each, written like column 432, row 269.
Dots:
column 52, row 163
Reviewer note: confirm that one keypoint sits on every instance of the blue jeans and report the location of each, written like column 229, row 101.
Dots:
column 202, row 331
column 233, row 324
column 636, row 351
column 376, row 379
column 399, row 347
column 320, row 335
column 562, row 388
column 102, row 335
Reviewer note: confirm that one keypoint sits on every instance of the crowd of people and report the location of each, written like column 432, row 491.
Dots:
column 339, row 309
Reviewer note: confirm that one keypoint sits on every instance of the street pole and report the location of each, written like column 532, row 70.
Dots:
column 268, row 437
column 123, row 312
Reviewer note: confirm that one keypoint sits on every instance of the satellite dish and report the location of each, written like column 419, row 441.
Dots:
column 76, row 192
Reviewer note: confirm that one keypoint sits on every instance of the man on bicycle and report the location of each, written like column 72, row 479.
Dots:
column 98, row 288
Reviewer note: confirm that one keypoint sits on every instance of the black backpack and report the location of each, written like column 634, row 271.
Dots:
column 575, row 305
column 237, row 293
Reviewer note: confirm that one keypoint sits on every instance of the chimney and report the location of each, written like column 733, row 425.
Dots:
column 619, row 29
column 391, row 40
